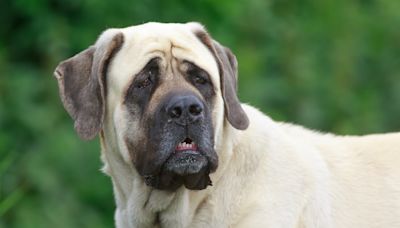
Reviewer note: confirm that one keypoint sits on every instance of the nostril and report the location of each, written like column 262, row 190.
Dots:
column 195, row 109
column 176, row 112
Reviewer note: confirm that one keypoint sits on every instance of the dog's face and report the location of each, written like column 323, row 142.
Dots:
column 163, row 92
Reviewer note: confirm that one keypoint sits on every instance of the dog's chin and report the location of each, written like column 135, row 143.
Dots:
column 186, row 163
column 188, row 168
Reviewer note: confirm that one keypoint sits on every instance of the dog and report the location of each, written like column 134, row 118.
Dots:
column 182, row 151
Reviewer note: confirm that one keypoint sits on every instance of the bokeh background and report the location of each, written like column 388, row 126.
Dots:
column 332, row 65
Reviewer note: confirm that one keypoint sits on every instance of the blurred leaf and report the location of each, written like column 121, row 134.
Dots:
column 10, row 201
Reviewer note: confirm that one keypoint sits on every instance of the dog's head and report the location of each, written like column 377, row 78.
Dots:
column 163, row 91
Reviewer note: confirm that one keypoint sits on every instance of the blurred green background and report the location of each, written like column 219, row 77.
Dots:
column 332, row 65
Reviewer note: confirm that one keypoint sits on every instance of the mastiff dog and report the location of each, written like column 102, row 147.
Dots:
column 182, row 151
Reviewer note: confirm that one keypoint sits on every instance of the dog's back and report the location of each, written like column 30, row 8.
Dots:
column 365, row 176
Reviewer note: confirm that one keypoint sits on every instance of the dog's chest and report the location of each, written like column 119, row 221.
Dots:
column 183, row 211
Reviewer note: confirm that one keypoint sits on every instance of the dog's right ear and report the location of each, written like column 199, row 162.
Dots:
column 227, row 65
column 81, row 82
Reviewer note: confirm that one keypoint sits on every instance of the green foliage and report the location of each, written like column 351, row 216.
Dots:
column 332, row 65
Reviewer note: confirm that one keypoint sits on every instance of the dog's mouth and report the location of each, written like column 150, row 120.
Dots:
column 187, row 165
column 187, row 145
column 187, row 159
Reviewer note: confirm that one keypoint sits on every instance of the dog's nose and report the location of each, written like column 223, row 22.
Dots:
column 185, row 109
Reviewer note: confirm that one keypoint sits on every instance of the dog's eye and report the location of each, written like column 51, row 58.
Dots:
column 143, row 84
column 197, row 76
column 199, row 79
column 153, row 71
column 150, row 74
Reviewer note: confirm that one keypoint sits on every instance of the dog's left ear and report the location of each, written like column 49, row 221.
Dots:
column 227, row 65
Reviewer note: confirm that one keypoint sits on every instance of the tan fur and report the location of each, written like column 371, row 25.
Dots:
column 269, row 175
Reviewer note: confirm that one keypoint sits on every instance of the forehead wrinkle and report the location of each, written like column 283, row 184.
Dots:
column 186, row 46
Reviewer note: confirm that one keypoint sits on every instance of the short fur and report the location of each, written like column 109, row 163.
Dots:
column 269, row 174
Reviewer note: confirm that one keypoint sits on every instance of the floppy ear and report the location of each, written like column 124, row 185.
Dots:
column 227, row 65
column 81, row 82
